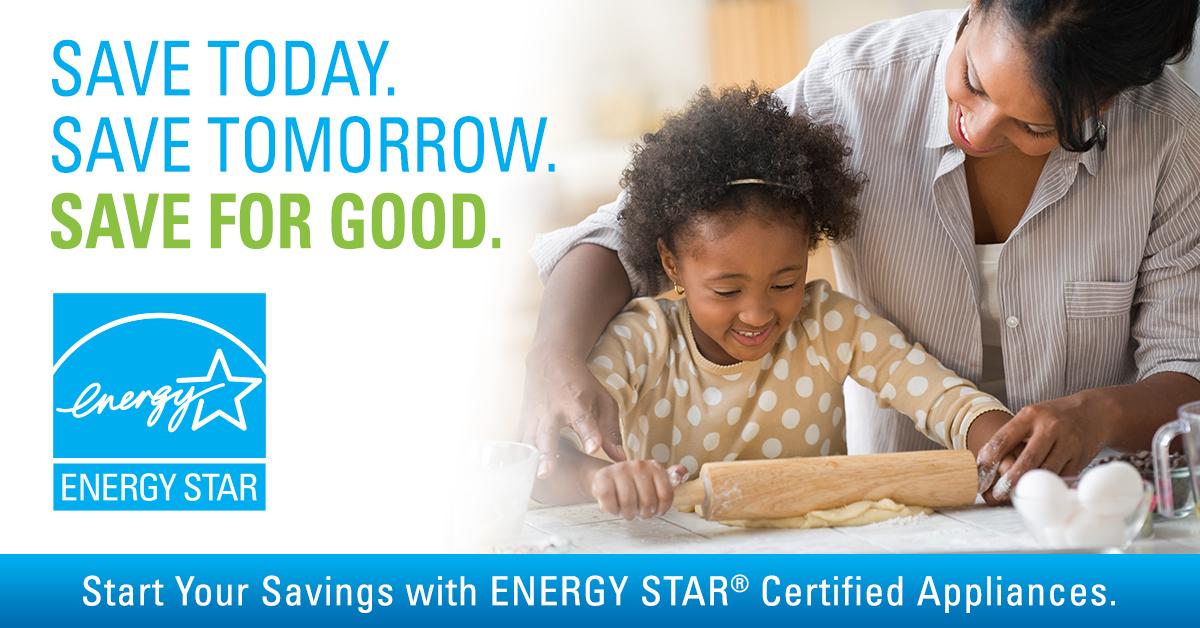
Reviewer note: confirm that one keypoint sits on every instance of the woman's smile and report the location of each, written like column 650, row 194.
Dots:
column 962, row 136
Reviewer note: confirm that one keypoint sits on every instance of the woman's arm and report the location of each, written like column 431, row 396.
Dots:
column 587, row 288
column 1064, row 435
column 1136, row 411
column 571, row 482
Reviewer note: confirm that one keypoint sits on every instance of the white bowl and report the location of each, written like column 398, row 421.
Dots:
column 494, row 482
column 1085, row 530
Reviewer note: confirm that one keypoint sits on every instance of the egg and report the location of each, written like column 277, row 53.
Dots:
column 1111, row 490
column 1054, row 536
column 1042, row 498
column 1092, row 530
column 1073, row 505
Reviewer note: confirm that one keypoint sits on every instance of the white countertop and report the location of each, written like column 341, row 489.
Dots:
column 585, row 529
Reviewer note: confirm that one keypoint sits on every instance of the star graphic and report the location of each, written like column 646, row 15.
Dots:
column 251, row 382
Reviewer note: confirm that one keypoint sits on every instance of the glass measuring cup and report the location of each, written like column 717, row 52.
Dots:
column 1186, row 426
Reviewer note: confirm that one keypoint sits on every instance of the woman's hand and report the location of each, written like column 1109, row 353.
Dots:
column 638, row 489
column 562, row 391
column 586, row 290
column 1062, row 435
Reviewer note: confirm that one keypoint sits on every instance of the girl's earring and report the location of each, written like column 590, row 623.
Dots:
column 678, row 289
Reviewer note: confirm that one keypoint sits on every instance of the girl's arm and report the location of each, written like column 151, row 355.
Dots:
column 854, row 342
column 632, row 489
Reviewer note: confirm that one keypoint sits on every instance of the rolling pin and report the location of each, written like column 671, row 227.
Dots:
column 793, row 487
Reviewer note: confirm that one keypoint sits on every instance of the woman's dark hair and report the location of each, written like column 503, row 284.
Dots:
column 683, row 171
column 1084, row 52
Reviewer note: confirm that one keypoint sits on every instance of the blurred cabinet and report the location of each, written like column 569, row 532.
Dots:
column 756, row 40
column 764, row 41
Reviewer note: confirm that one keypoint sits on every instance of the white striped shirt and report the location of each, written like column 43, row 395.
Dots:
column 1099, row 283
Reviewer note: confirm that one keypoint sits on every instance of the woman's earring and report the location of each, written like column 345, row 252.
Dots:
column 678, row 289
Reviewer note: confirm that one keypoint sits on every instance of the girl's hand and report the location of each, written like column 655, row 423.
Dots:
column 978, row 437
column 988, row 494
column 636, row 489
column 561, row 391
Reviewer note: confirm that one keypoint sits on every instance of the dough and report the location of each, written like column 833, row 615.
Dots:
column 856, row 514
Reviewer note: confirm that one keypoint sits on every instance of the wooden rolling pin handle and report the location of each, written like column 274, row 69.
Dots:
column 689, row 495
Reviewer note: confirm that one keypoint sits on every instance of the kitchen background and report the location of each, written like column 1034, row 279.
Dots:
column 623, row 63
column 382, row 361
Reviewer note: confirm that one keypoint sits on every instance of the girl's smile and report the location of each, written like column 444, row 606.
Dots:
column 752, row 338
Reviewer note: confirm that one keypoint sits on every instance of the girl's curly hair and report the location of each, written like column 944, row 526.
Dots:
column 681, row 172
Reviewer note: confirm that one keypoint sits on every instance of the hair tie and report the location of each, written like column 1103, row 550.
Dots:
column 761, row 182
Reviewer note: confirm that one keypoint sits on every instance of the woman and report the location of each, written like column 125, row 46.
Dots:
column 1032, row 218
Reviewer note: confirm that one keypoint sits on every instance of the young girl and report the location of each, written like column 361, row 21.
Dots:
column 746, row 361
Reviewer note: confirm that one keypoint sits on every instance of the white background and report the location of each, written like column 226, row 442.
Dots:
column 379, row 362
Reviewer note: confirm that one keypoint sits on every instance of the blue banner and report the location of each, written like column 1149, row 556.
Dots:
column 590, row 590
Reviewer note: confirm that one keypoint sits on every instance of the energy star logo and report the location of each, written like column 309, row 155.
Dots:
column 160, row 401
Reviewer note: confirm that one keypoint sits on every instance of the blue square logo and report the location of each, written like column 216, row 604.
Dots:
column 159, row 376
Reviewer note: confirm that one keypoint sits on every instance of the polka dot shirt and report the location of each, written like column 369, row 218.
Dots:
column 677, row 407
